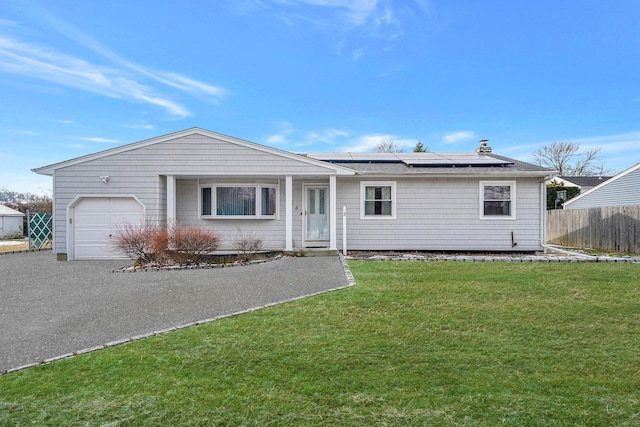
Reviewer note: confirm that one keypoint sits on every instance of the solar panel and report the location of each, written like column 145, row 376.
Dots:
column 451, row 159
column 414, row 159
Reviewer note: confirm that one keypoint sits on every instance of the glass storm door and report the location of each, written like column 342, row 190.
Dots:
column 316, row 214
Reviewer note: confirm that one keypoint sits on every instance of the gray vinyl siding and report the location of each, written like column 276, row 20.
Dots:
column 622, row 191
column 271, row 231
column 84, row 180
column 201, row 155
column 142, row 172
column 431, row 213
column 440, row 214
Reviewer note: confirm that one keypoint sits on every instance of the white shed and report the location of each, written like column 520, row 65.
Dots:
column 10, row 222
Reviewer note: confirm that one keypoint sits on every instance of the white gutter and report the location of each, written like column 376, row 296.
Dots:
column 543, row 212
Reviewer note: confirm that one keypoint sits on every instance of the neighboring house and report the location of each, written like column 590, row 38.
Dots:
column 393, row 201
column 562, row 188
column 620, row 190
column 584, row 183
column 10, row 222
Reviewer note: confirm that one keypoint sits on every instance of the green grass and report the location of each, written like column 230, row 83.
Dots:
column 414, row 343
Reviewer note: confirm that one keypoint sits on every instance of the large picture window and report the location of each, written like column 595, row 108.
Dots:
column 238, row 201
column 378, row 199
column 497, row 199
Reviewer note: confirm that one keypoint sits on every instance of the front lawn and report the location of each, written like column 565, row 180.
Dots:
column 415, row 343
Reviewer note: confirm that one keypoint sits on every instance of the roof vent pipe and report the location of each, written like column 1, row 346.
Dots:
column 484, row 148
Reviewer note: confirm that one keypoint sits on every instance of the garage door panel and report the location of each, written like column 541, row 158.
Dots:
column 88, row 219
column 125, row 218
column 97, row 219
column 93, row 205
column 94, row 250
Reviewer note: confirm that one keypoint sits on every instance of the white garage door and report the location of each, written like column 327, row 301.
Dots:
column 97, row 219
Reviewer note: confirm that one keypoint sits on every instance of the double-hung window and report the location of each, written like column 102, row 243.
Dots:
column 239, row 201
column 497, row 199
column 378, row 199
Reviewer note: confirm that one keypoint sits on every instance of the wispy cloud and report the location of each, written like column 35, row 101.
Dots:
column 355, row 12
column 332, row 139
column 145, row 127
column 27, row 132
column 101, row 140
column 117, row 78
column 355, row 20
column 282, row 136
column 367, row 143
column 452, row 138
column 327, row 136
column 291, row 138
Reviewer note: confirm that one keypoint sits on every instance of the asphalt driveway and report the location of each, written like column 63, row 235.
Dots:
column 50, row 308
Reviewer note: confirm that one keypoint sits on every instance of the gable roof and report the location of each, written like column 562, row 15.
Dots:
column 432, row 164
column 7, row 211
column 602, row 185
column 584, row 181
column 49, row 169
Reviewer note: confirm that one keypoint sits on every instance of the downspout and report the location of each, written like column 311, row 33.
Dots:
column 543, row 228
column 543, row 213
column 566, row 252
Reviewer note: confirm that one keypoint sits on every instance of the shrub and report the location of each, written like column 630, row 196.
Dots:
column 247, row 244
column 192, row 245
column 165, row 245
column 142, row 243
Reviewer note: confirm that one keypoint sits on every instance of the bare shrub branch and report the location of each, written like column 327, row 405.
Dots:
column 247, row 244
column 142, row 243
column 192, row 245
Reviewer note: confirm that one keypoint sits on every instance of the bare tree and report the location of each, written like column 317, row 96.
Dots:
column 389, row 146
column 568, row 160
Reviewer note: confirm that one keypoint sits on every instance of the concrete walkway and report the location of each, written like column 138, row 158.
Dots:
column 50, row 308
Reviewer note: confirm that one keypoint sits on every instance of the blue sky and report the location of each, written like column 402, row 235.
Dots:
column 78, row 77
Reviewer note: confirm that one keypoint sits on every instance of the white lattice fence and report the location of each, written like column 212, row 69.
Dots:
column 40, row 230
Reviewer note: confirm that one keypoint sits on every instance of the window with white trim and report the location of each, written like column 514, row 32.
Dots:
column 497, row 199
column 239, row 201
column 378, row 199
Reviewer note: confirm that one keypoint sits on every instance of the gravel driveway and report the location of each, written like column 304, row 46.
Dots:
column 50, row 308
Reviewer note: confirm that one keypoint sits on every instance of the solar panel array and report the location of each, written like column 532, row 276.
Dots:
column 414, row 159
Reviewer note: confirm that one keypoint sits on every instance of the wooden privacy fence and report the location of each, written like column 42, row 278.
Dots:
column 612, row 228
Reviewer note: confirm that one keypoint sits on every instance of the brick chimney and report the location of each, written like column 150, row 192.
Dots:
column 484, row 148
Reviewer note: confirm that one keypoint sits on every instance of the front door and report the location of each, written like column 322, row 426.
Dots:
column 316, row 215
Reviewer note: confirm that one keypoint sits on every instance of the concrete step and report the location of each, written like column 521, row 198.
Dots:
column 309, row 252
